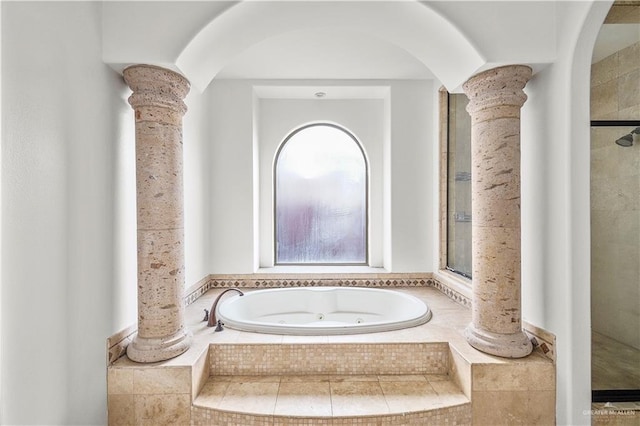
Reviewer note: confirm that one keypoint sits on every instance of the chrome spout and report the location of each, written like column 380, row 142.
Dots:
column 212, row 320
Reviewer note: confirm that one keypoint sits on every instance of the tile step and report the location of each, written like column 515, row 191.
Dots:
column 331, row 400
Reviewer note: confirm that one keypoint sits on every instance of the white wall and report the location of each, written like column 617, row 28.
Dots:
column 68, row 196
column 506, row 32
column 413, row 135
column 136, row 31
column 197, row 184
column 555, row 205
column 61, row 137
column 410, row 128
column 231, row 160
column 1, row 341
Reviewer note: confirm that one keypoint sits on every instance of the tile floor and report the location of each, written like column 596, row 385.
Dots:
column 615, row 414
column 614, row 365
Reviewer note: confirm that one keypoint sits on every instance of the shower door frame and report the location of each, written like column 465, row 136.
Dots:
column 614, row 395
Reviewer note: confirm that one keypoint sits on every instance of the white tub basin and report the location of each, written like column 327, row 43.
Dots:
column 322, row 311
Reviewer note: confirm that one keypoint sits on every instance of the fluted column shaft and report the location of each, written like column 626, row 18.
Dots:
column 157, row 100
column 495, row 99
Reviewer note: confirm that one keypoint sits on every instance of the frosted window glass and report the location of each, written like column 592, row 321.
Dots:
column 321, row 198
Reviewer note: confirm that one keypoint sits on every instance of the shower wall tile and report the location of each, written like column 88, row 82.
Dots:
column 631, row 113
column 605, row 70
column 624, row 164
column 615, row 193
column 600, row 159
column 629, row 59
column 615, row 92
column 619, row 228
column 604, row 100
column 615, row 115
column 629, row 90
column 608, row 160
column 601, row 137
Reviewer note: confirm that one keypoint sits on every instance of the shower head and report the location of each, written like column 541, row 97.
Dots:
column 627, row 140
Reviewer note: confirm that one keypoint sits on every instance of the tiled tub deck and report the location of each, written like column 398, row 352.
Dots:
column 422, row 375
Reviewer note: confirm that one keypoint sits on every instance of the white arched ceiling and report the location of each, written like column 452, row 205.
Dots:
column 325, row 53
column 411, row 26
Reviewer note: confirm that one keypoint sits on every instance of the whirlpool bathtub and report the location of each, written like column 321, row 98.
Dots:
column 323, row 311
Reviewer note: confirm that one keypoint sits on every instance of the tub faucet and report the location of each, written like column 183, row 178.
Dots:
column 210, row 316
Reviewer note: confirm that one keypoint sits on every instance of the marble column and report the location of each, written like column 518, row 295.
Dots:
column 495, row 99
column 157, row 100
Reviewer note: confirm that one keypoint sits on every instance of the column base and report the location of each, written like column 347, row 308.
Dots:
column 147, row 350
column 515, row 345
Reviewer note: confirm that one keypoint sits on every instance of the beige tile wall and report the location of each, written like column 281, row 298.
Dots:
column 514, row 392
column 615, row 92
column 148, row 395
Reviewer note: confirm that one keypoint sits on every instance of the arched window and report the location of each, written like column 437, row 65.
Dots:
column 320, row 197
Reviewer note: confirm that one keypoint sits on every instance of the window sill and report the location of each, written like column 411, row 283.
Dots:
column 455, row 282
column 321, row 269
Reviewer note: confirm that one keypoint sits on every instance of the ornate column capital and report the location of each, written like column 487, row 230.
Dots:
column 156, row 87
column 497, row 93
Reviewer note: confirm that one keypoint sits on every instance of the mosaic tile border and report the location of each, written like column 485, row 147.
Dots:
column 543, row 341
column 339, row 280
column 331, row 358
column 455, row 415
column 197, row 290
column 117, row 344
column 451, row 294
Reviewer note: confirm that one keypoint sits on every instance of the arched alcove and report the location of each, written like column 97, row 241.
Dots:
column 411, row 26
